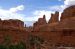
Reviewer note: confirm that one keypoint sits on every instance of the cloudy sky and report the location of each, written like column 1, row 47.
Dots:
column 30, row 10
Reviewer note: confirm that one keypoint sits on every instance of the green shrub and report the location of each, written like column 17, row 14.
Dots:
column 2, row 47
column 20, row 45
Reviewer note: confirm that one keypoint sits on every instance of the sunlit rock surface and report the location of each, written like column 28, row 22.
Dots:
column 59, row 33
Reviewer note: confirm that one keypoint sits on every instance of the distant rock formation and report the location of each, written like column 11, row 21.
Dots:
column 54, row 18
column 41, row 21
column 13, row 29
column 12, row 23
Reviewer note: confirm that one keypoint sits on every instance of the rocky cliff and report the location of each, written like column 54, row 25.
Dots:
column 12, row 30
column 54, row 17
column 59, row 33
column 55, row 33
column 68, row 13
column 40, row 22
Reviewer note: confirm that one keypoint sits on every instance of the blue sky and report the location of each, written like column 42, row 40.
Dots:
column 29, row 10
column 30, row 5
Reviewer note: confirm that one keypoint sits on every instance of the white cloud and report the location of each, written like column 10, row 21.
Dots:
column 52, row 9
column 69, row 2
column 18, row 8
column 60, row 8
column 39, row 14
column 57, row 8
column 11, row 14
column 33, row 18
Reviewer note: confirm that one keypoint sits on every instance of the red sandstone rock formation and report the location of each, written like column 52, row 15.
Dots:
column 12, row 23
column 54, row 17
column 17, row 23
column 59, row 33
column 68, row 13
column 41, row 21
column 55, row 33
column 14, row 29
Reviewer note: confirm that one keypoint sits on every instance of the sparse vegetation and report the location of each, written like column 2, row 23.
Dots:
column 20, row 45
column 36, row 40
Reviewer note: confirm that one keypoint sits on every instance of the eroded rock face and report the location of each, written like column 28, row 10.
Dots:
column 41, row 21
column 54, row 18
column 14, row 36
column 13, row 29
column 12, row 23
column 62, row 32
column 56, row 33
column 17, row 23
column 68, row 13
